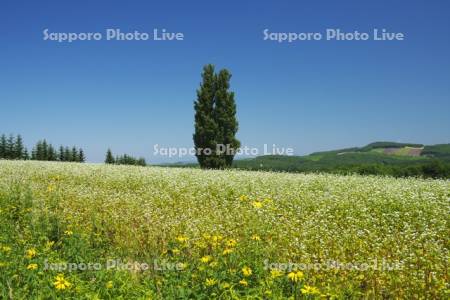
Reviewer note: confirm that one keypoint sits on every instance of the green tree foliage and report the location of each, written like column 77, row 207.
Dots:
column 3, row 146
column 51, row 153
column 45, row 151
column 124, row 159
column 74, row 154
column 109, row 157
column 130, row 160
column 12, row 147
column 61, row 154
column 428, row 168
column 225, row 116
column 19, row 148
column 25, row 156
column 67, row 155
column 205, row 125
column 81, row 157
column 10, row 143
column 215, row 120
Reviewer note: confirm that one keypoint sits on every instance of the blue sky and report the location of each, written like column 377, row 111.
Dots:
column 310, row 95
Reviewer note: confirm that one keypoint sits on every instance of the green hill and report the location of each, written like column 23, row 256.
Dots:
column 438, row 151
column 389, row 158
column 379, row 158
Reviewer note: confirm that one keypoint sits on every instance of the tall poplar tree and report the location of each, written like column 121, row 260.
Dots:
column 225, row 116
column 205, row 125
column 215, row 120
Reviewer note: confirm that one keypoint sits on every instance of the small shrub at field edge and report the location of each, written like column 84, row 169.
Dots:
column 105, row 232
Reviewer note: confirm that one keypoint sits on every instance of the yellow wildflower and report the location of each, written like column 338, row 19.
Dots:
column 231, row 243
column 227, row 251
column 61, row 283
column 243, row 282
column 216, row 238
column 205, row 259
column 68, row 232
column 49, row 245
column 175, row 251
column 31, row 253
column 109, row 285
column 268, row 200
column 50, row 188
column 210, row 282
column 246, row 271
column 256, row 237
column 257, row 204
column 32, row 267
column 295, row 276
column 225, row 285
column 201, row 245
column 6, row 248
column 182, row 266
column 243, row 197
column 310, row 290
column 213, row 264
column 182, row 239
column 274, row 273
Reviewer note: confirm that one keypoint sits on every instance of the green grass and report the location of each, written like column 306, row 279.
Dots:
column 222, row 229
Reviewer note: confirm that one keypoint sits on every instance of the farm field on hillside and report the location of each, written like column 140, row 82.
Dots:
column 87, row 231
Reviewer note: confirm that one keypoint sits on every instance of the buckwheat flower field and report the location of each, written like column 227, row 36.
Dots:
column 86, row 231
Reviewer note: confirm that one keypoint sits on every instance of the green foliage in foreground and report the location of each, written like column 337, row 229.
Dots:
column 212, row 233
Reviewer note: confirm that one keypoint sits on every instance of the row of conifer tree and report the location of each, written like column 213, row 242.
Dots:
column 12, row 147
column 124, row 159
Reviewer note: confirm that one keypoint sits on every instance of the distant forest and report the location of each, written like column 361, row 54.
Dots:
column 12, row 147
column 433, row 161
column 124, row 159
column 379, row 158
column 427, row 161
